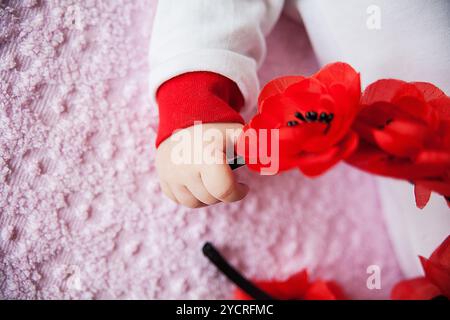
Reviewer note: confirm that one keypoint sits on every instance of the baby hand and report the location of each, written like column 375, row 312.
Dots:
column 195, row 183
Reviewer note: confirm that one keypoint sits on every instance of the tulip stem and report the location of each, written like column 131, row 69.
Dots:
column 232, row 274
column 236, row 162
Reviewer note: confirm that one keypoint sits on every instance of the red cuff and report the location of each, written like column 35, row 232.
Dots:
column 196, row 96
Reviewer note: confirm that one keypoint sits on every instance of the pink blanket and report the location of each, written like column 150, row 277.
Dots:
column 82, row 215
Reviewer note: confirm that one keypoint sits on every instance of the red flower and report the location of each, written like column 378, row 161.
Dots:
column 436, row 281
column 314, row 117
column 297, row 287
column 404, row 131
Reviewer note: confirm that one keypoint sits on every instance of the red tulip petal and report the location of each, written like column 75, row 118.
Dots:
column 422, row 195
column 429, row 90
column 441, row 255
column 400, row 95
column 422, row 101
column 340, row 72
column 279, row 108
column 441, row 187
column 438, row 275
column 383, row 90
column 442, row 107
column 277, row 86
column 416, row 108
column 337, row 290
column 322, row 290
column 437, row 267
column 401, row 138
column 294, row 140
column 408, row 90
column 292, row 288
column 443, row 134
column 439, row 161
column 255, row 145
column 263, row 121
column 433, row 157
column 379, row 114
column 345, row 111
column 241, row 295
column 315, row 164
column 270, row 167
column 415, row 289
column 306, row 94
column 371, row 159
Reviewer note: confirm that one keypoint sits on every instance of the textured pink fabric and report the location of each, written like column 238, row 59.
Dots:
column 82, row 215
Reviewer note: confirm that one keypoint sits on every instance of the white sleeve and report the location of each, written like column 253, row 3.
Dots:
column 221, row 36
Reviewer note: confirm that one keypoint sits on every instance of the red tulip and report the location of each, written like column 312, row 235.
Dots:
column 297, row 287
column 404, row 131
column 415, row 289
column 313, row 116
column 436, row 281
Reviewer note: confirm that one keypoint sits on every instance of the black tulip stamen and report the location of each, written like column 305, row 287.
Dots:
column 292, row 123
column 330, row 117
column 323, row 117
column 311, row 116
column 300, row 116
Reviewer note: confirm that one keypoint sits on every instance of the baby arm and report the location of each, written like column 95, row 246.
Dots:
column 213, row 99
column 204, row 57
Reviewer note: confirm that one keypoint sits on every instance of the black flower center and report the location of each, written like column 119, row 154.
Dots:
column 311, row 116
column 298, row 115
